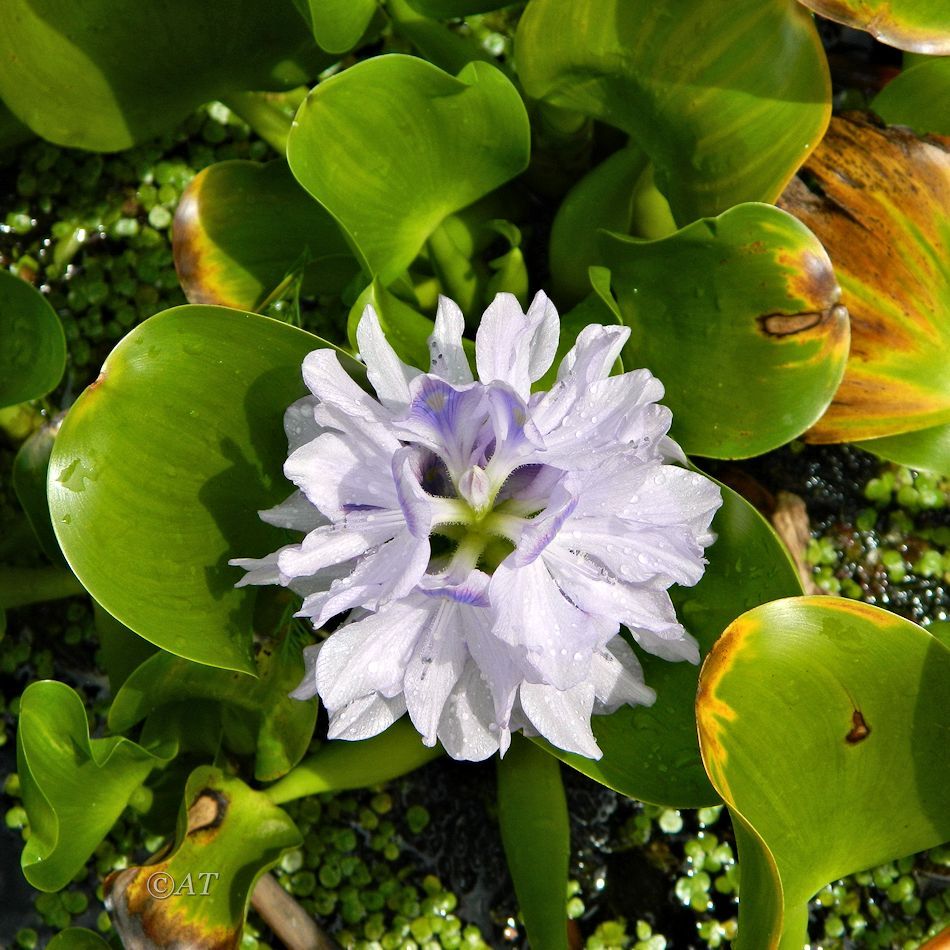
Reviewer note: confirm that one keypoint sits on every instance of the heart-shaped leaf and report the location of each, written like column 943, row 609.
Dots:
column 827, row 766
column 161, row 466
column 282, row 726
column 535, row 831
column 241, row 227
column 393, row 145
column 74, row 788
column 727, row 99
column 228, row 835
column 106, row 74
column 33, row 354
column 918, row 98
column 877, row 199
column 652, row 754
column 919, row 25
column 738, row 316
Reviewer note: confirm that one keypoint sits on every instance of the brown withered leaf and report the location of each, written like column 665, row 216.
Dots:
column 196, row 892
column 879, row 201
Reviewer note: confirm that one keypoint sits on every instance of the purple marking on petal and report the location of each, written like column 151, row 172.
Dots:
column 415, row 503
column 543, row 529
column 347, row 508
column 461, row 594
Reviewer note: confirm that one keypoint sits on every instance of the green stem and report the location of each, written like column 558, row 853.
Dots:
column 269, row 121
column 344, row 765
column 31, row 585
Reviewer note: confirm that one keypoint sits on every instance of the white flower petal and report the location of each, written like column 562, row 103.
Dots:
column 322, row 548
column 562, row 716
column 337, row 477
column 300, row 426
column 415, row 504
column 365, row 717
column 618, row 678
column 388, row 374
column 295, row 512
column 545, row 328
column 308, row 683
column 260, row 570
column 532, row 613
column 386, row 574
column 465, row 729
column 370, row 655
column 435, row 667
column 329, row 382
column 592, row 356
column 447, row 357
column 515, row 348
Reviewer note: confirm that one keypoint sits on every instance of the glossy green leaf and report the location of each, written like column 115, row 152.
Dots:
column 726, row 99
column 338, row 25
column 652, row 754
column 74, row 788
column 340, row 765
column 281, row 727
column 828, row 766
column 30, row 468
column 877, row 199
column 77, row 938
column 32, row 344
column 919, row 25
column 601, row 200
column 918, row 98
column 106, row 74
column 228, row 835
column 393, row 145
column 535, row 831
column 161, row 466
column 738, row 316
column 926, row 450
column 241, row 228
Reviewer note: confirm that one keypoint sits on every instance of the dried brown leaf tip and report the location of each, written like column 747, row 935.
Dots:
column 877, row 199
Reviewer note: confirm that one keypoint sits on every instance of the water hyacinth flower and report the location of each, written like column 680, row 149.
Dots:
column 486, row 543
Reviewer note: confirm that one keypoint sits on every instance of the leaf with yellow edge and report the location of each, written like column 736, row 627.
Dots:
column 727, row 99
column 919, row 25
column 877, row 199
column 823, row 727
column 241, row 227
column 196, row 895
